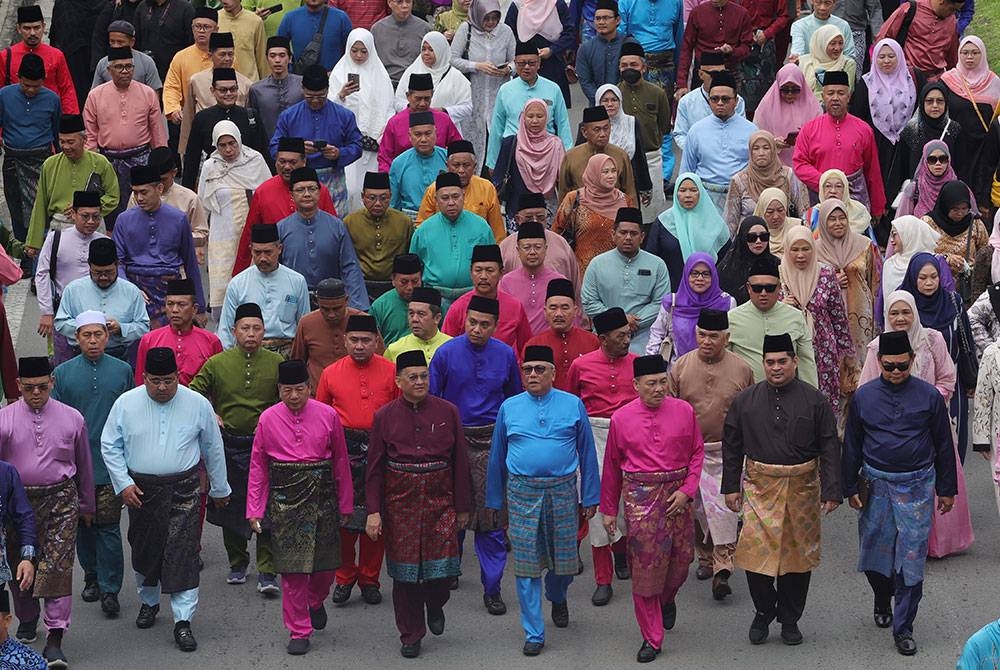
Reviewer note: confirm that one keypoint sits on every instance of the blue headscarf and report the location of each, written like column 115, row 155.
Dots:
column 937, row 311
column 700, row 228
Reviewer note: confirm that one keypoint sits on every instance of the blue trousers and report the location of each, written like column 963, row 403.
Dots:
column 907, row 598
column 100, row 552
column 529, row 595
column 665, row 79
column 491, row 549
column 182, row 604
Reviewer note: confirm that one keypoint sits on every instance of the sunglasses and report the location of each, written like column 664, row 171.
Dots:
column 755, row 237
column 788, row 90
column 536, row 369
column 934, row 160
column 891, row 367
column 763, row 288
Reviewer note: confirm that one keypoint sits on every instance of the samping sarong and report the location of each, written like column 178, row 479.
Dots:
column 894, row 526
column 418, row 514
column 336, row 183
column 305, row 522
column 660, row 547
column 24, row 171
column 165, row 532
column 232, row 517
column 279, row 345
column 123, row 160
column 56, row 510
column 598, row 533
column 479, row 438
column 543, row 523
column 758, row 68
column 109, row 505
column 658, row 203
column 781, row 519
column 718, row 193
column 357, row 453
column 155, row 288
column 709, row 504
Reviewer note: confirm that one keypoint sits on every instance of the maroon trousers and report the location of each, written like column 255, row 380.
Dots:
column 412, row 601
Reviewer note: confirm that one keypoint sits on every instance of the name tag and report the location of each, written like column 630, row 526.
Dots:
column 645, row 273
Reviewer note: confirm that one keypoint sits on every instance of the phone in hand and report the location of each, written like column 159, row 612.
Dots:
column 319, row 145
column 790, row 138
column 501, row 66
column 274, row 9
column 354, row 78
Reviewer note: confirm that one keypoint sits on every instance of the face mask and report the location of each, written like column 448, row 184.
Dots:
column 631, row 76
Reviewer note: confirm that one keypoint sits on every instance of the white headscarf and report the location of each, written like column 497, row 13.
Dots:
column 622, row 124
column 916, row 236
column 247, row 172
column 450, row 86
column 373, row 103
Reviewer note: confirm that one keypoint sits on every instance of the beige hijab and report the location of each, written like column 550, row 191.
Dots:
column 838, row 253
column 767, row 196
column 801, row 283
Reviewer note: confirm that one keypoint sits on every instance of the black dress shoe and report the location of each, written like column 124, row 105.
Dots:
column 54, row 656
column 560, row 614
column 883, row 616
column 410, row 650
column 579, row 566
column 647, row 653
column 533, row 648
column 370, row 594
column 147, row 616
column 622, row 571
column 720, row 587
column 703, row 572
column 494, row 604
column 905, row 644
column 341, row 593
column 298, row 646
column 453, row 584
column 109, row 604
column 759, row 629
column 435, row 621
column 317, row 617
column 790, row 634
column 602, row 595
column 27, row 631
column 669, row 613
column 184, row 637
column 91, row 593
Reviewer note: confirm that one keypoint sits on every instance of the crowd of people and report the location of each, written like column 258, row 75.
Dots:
column 346, row 281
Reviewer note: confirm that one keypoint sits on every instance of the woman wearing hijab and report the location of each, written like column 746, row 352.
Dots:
column 448, row 22
column 907, row 237
column 812, row 287
column 931, row 121
column 586, row 216
column 673, row 332
column 480, row 45
column 826, row 53
column 973, row 96
column 764, row 170
column 750, row 242
column 548, row 26
column 834, row 184
column 452, row 91
column 858, row 267
column 933, row 172
column 959, row 226
column 528, row 161
column 227, row 182
column 370, row 98
column 772, row 206
column 784, row 109
column 690, row 225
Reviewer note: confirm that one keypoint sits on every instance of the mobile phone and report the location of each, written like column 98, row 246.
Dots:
column 319, row 145
column 355, row 78
column 790, row 139
column 274, row 9
column 501, row 66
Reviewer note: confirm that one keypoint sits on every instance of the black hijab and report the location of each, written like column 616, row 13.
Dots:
column 932, row 127
column 735, row 266
column 953, row 193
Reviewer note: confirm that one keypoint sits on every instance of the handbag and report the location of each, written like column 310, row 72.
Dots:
column 569, row 232
column 967, row 363
column 963, row 282
column 310, row 55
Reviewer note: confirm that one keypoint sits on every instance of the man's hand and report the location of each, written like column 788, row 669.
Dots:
column 828, row 506
column 30, row 252
column 255, row 526
column 220, row 502
column 725, row 48
column 462, row 519
column 545, row 53
column 680, row 93
column 87, row 520
column 25, row 574
column 676, row 502
column 45, row 325
column 645, row 197
column 633, row 322
column 331, row 153
column 945, row 504
column 759, row 37
column 114, row 328
column 373, row 526
column 175, row 117
column 734, row 502
column 201, row 319
column 132, row 496
column 589, row 512
column 610, row 524
column 855, row 501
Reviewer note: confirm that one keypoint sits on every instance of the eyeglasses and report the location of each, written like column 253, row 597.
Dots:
column 758, row 237
column 199, row 28
column 534, row 369
column 31, row 388
column 227, row 89
column 892, row 367
column 763, row 288
column 305, row 189
column 700, row 274
column 371, row 197
column 720, row 98
column 934, row 160
column 104, row 273
column 534, row 218
column 526, row 63
column 124, row 67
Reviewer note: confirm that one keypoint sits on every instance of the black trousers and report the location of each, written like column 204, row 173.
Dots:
column 786, row 602
column 907, row 599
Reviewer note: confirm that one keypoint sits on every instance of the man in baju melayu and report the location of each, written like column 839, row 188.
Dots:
column 300, row 484
column 542, row 439
column 480, row 194
column 379, row 233
column 785, row 431
column 898, row 452
column 418, row 493
column 596, row 130
column 390, row 309
column 424, row 311
column 567, row 341
column 412, row 171
column 46, row 441
column 653, row 460
column 529, row 283
column 152, row 444
column 709, row 378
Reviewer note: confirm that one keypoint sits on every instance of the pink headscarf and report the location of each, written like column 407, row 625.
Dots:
column 928, row 186
column 891, row 97
column 538, row 155
column 981, row 81
column 780, row 118
column 538, row 17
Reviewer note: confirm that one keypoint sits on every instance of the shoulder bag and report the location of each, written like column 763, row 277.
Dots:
column 310, row 55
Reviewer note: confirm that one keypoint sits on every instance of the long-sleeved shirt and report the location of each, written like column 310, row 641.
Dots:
column 748, row 326
column 445, row 247
column 694, row 107
column 716, row 149
column 357, row 391
column 270, row 97
column 575, row 162
column 162, row 29
column 847, row 144
column 282, row 295
column 604, row 384
column 157, row 243
column 803, row 29
column 770, row 16
column 176, row 83
column 120, row 119
column 984, row 322
column 648, row 439
column 529, row 288
column 709, row 27
column 398, row 43
column 197, row 143
column 362, row 13
column 475, row 379
column 510, row 102
column 188, row 202
column 396, row 136
column 597, row 62
column 145, row 71
column 512, row 329
column 240, row 385
column 935, row 48
column 411, row 173
column 392, row 316
column 299, row 26
column 191, row 349
column 60, row 178
column 785, row 425
column 542, row 436
column 57, row 76
column 248, row 36
column 271, row 202
column 29, row 123
column 566, row 347
column 91, row 388
column 48, row 445
column 334, row 124
column 899, row 428
column 17, row 513
column 406, row 433
column 411, row 342
column 635, row 284
column 312, row 434
column 650, row 106
column 71, row 263
column 153, row 438
column 122, row 301
column 378, row 241
column 657, row 26
column 320, row 247
column 480, row 198
column 319, row 343
column 709, row 387
column 558, row 255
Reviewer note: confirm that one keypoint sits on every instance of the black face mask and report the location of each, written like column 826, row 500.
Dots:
column 994, row 293
column 631, row 76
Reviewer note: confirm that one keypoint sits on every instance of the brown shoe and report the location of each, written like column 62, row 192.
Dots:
column 703, row 572
column 720, row 586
